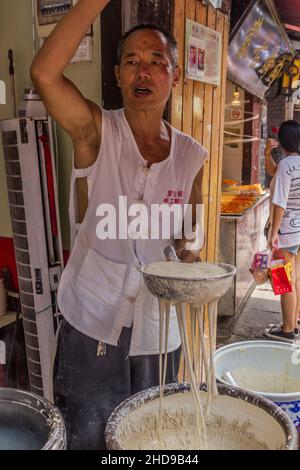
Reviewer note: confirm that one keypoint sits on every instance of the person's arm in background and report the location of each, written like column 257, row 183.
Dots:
column 184, row 254
column 279, row 201
column 270, row 164
column 278, row 213
column 80, row 118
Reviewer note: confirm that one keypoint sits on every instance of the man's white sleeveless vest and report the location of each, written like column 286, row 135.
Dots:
column 101, row 291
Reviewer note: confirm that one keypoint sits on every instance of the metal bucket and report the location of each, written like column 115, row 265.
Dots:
column 240, row 409
column 263, row 358
column 29, row 422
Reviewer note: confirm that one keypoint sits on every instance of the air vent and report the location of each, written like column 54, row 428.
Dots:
column 32, row 340
column 9, row 138
column 19, row 228
column 17, row 213
column 21, row 242
column 27, row 144
column 30, row 326
column 26, row 286
column 22, row 256
column 11, row 153
column 15, row 198
column 34, row 367
column 14, row 183
column 24, row 271
column 13, row 168
column 29, row 313
column 27, row 299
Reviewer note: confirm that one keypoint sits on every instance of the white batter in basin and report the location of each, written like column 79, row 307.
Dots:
column 269, row 368
column 238, row 420
column 207, row 283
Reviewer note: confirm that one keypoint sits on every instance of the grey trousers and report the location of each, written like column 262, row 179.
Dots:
column 88, row 387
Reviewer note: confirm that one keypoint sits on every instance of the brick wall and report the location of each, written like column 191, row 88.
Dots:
column 277, row 112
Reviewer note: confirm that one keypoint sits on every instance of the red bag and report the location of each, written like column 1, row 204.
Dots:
column 281, row 277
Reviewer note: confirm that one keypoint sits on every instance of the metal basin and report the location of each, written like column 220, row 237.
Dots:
column 29, row 422
column 239, row 408
column 194, row 291
column 264, row 360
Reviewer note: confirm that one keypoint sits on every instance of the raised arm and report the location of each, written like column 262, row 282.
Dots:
column 80, row 118
column 270, row 164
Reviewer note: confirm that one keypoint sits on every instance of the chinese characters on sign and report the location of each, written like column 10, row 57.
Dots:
column 203, row 53
column 272, row 68
column 173, row 197
column 254, row 32
column 259, row 49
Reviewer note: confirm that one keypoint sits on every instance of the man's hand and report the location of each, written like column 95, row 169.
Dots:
column 187, row 256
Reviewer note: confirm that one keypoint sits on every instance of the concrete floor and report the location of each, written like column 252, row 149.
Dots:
column 262, row 308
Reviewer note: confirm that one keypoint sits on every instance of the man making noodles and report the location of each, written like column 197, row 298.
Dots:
column 108, row 343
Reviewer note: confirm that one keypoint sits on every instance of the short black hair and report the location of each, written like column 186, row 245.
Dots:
column 289, row 136
column 173, row 46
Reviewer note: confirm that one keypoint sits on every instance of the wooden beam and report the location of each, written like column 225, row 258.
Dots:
column 159, row 13
column 179, row 33
column 110, row 37
column 198, row 101
column 221, row 125
column 188, row 85
column 226, row 7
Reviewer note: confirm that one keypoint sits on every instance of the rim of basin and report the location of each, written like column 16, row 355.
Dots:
column 232, row 270
column 140, row 398
column 265, row 343
column 40, row 405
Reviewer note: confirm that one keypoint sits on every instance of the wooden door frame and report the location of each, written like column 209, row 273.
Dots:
column 111, row 33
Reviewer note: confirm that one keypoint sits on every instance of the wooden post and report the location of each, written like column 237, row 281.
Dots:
column 198, row 109
column 111, row 96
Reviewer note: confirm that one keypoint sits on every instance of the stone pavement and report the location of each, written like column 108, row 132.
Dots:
column 261, row 309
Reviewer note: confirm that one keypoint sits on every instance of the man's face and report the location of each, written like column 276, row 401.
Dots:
column 146, row 74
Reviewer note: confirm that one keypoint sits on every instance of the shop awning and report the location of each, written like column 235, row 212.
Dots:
column 259, row 48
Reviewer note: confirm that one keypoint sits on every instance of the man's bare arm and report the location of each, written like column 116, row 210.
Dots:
column 64, row 102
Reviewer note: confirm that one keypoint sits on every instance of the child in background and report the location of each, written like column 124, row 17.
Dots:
column 285, row 225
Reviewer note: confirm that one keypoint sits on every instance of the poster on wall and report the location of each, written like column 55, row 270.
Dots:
column 203, row 54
